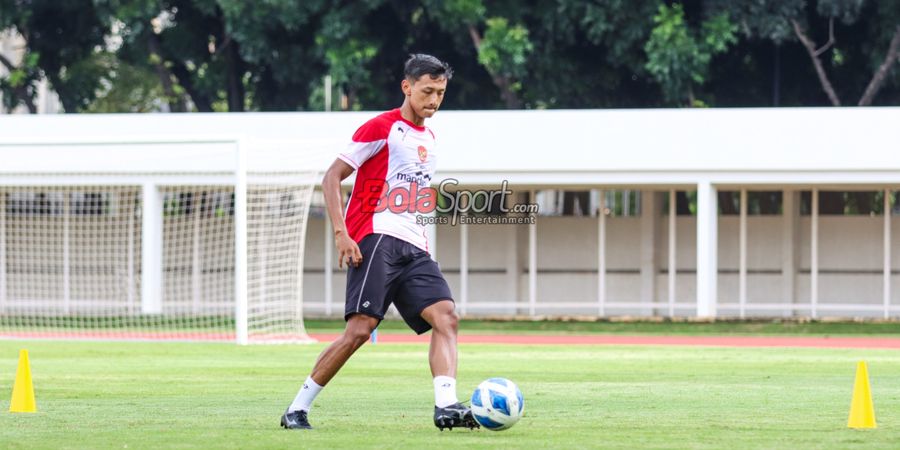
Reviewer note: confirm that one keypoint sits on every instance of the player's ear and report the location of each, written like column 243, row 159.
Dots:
column 406, row 86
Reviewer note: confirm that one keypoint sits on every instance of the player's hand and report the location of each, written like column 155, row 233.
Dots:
column 348, row 251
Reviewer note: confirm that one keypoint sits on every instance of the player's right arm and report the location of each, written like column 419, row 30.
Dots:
column 348, row 251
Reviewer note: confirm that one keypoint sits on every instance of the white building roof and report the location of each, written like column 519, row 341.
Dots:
column 840, row 146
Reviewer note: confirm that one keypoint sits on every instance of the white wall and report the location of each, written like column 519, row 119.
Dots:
column 850, row 264
column 765, row 149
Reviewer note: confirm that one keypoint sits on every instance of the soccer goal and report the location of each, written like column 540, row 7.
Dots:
column 188, row 239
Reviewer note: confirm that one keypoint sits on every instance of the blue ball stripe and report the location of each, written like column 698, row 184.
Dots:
column 476, row 398
column 521, row 400
column 498, row 401
column 488, row 423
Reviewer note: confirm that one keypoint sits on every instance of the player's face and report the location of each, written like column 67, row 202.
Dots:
column 425, row 94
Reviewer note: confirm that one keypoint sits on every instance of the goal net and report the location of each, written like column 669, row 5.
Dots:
column 93, row 256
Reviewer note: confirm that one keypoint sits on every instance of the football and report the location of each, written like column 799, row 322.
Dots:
column 497, row 404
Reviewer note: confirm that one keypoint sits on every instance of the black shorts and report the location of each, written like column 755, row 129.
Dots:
column 394, row 271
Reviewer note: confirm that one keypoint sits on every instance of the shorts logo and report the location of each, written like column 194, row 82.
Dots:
column 423, row 153
column 366, row 304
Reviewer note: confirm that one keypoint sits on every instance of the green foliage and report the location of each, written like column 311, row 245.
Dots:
column 847, row 11
column 346, row 50
column 459, row 13
column 504, row 49
column 129, row 88
column 20, row 84
column 678, row 57
column 763, row 19
column 220, row 55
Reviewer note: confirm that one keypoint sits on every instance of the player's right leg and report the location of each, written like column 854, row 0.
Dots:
column 365, row 306
column 330, row 361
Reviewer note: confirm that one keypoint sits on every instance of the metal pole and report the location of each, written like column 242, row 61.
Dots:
column 129, row 209
column 707, row 251
column 196, row 272
column 463, row 267
column 151, row 249
column 240, row 247
column 67, row 263
column 672, row 249
column 601, row 256
column 3, row 283
column 887, row 253
column 532, row 266
column 742, row 251
column 814, row 255
column 327, row 93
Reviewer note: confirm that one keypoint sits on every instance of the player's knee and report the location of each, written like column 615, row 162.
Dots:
column 357, row 335
column 359, row 330
column 448, row 322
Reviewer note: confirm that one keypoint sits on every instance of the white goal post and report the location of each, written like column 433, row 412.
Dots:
column 188, row 238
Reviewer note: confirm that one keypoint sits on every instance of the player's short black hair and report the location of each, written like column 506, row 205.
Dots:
column 420, row 64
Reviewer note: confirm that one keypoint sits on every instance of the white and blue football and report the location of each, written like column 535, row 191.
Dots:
column 497, row 404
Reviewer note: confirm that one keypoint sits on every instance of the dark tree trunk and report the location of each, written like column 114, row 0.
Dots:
column 176, row 103
column 776, row 77
column 235, row 68
column 504, row 83
column 878, row 78
column 817, row 62
column 183, row 75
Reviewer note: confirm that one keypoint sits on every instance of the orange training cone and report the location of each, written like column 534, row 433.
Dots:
column 23, row 390
column 862, row 411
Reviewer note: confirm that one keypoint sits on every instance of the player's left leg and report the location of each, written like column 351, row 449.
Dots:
column 442, row 356
column 445, row 325
column 424, row 300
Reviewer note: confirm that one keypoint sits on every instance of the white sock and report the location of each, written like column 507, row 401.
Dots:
column 444, row 391
column 305, row 397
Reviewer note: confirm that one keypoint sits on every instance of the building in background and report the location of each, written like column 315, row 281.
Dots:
column 11, row 50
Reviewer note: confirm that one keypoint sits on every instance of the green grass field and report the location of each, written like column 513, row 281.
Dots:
column 768, row 327
column 178, row 395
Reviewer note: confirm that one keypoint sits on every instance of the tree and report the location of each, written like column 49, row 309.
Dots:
column 861, row 39
column 20, row 83
column 234, row 55
column 502, row 49
column 678, row 58
column 64, row 43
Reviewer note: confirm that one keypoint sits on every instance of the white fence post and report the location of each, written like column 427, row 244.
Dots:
column 814, row 256
column 601, row 256
column 532, row 265
column 151, row 249
column 2, row 251
column 887, row 254
column 240, row 246
column 673, row 236
column 463, row 267
column 707, row 249
column 742, row 251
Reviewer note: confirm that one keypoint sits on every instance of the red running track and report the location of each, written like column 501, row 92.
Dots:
column 516, row 339
column 596, row 339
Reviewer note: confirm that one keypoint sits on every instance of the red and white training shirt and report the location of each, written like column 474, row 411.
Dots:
column 389, row 154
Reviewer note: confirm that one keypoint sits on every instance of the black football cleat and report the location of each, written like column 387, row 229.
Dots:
column 295, row 421
column 455, row 415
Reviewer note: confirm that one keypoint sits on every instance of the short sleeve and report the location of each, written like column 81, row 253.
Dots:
column 366, row 142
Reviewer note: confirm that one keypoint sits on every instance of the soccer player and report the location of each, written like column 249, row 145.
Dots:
column 385, row 249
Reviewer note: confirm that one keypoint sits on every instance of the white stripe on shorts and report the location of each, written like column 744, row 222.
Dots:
column 366, row 276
